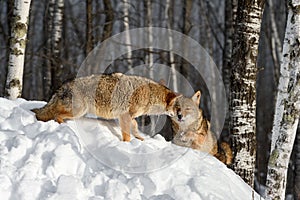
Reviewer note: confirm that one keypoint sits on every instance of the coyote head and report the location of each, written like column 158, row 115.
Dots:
column 185, row 110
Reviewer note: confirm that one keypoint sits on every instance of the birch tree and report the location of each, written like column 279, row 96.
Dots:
column 53, row 71
column 287, row 111
column 297, row 164
column 127, row 35
column 242, row 88
column 14, row 81
column 168, row 16
column 56, row 35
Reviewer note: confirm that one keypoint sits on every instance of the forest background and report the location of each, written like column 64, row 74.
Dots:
column 61, row 33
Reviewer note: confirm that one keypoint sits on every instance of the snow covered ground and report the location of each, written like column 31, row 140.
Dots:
column 84, row 159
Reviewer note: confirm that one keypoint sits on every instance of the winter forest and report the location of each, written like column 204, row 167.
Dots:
column 254, row 45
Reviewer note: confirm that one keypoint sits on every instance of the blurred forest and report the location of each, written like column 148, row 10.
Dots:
column 81, row 25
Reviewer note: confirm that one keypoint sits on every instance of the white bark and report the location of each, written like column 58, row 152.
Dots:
column 53, row 71
column 287, row 111
column 57, row 26
column 150, row 37
column 14, row 80
column 127, row 35
column 172, row 59
column 243, row 89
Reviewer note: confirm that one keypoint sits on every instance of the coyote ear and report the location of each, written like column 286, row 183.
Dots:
column 196, row 97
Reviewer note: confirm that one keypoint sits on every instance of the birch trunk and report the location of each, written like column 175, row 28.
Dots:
column 53, row 70
column 297, row 164
column 127, row 35
column 150, row 36
column 287, row 111
column 56, row 66
column 243, row 89
column 13, row 88
column 168, row 16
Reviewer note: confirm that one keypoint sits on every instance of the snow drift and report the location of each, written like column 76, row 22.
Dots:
column 85, row 159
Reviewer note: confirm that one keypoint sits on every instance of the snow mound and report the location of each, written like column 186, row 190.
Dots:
column 85, row 159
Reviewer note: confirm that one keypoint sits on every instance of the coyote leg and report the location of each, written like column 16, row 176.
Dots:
column 134, row 129
column 124, row 121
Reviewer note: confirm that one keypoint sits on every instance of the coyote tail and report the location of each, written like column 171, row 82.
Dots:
column 224, row 153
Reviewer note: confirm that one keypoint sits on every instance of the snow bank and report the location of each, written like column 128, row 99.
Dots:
column 84, row 159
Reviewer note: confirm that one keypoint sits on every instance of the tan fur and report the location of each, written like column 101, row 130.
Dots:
column 193, row 130
column 109, row 96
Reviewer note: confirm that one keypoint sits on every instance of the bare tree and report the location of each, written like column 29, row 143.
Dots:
column 89, row 27
column 127, row 35
column 168, row 16
column 230, row 13
column 243, row 89
column 287, row 110
column 109, row 18
column 275, row 41
column 19, row 29
column 297, row 164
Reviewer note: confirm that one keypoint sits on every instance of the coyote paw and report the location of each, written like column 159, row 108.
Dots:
column 139, row 137
column 126, row 137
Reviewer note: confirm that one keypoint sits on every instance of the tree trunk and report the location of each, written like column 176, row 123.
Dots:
column 18, row 40
column 287, row 111
column 169, row 16
column 186, row 28
column 297, row 164
column 230, row 7
column 150, row 59
column 57, row 68
column 47, row 69
column 109, row 19
column 275, row 41
column 243, row 89
column 127, row 35
column 53, row 70
column 89, row 27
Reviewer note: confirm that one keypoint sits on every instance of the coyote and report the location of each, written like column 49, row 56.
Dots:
column 110, row 96
column 191, row 129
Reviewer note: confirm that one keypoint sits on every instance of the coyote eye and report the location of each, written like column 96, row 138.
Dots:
column 188, row 108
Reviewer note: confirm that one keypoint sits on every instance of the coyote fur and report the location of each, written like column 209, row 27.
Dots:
column 191, row 129
column 109, row 96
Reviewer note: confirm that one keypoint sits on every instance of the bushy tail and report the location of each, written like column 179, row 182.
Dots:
column 224, row 153
column 45, row 113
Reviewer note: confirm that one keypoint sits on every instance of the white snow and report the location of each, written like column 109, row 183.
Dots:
column 85, row 159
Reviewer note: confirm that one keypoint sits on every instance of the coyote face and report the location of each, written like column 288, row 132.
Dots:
column 192, row 130
column 185, row 110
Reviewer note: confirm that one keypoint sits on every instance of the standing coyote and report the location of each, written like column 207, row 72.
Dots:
column 111, row 96
column 191, row 129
